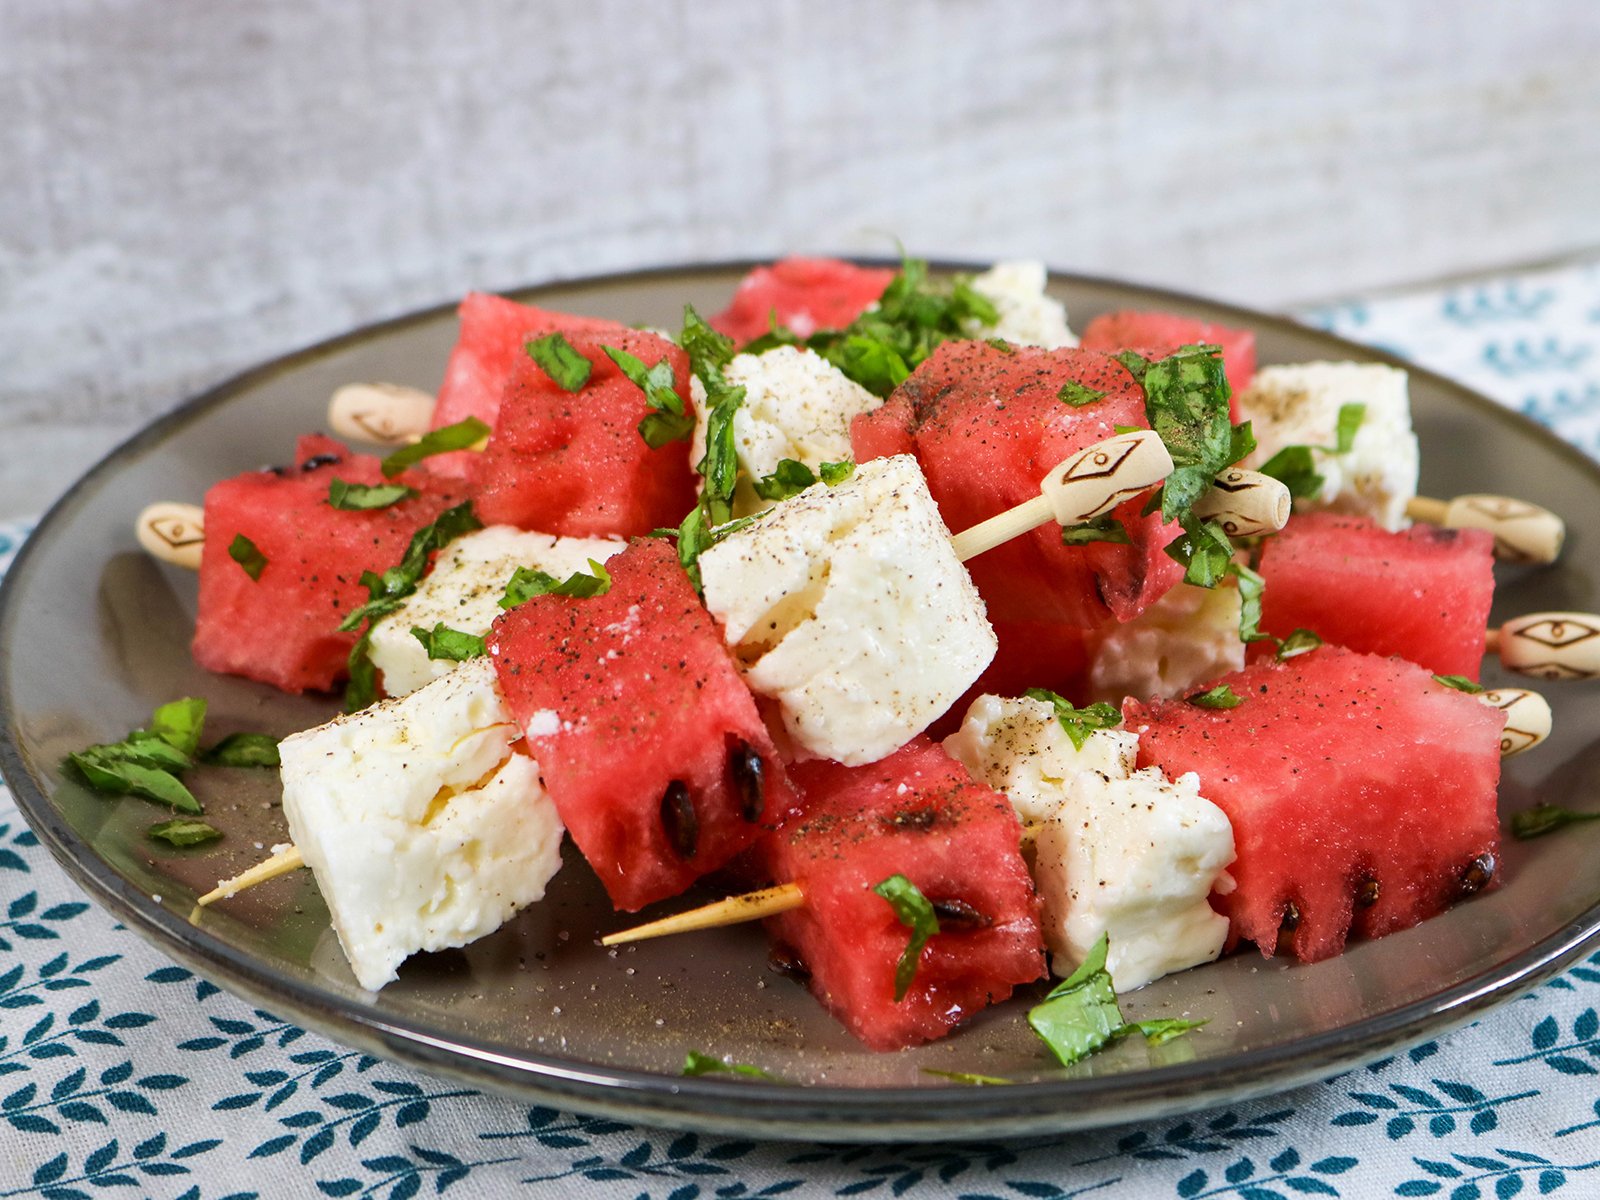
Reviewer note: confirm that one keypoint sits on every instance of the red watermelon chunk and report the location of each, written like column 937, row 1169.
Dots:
column 646, row 737
column 919, row 814
column 282, row 628
column 574, row 463
column 1423, row 594
column 1156, row 334
column 986, row 425
column 493, row 333
column 804, row 294
column 1361, row 792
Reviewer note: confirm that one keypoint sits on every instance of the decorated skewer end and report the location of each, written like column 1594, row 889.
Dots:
column 1092, row 482
column 1549, row 645
column 1246, row 503
column 172, row 532
column 386, row 414
column 1523, row 532
column 1528, row 719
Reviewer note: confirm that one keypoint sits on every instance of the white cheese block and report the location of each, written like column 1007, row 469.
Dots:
column 1028, row 315
column 424, row 826
column 463, row 591
column 848, row 607
column 796, row 405
column 1133, row 859
column 1299, row 405
column 1017, row 746
column 1189, row 636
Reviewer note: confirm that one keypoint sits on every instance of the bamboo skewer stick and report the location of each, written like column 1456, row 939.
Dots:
column 735, row 910
column 1523, row 532
column 286, row 860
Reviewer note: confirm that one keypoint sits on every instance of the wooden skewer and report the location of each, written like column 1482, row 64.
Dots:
column 1549, row 645
column 735, row 910
column 1523, row 532
column 386, row 414
column 281, row 863
column 1082, row 487
column 1246, row 503
column 173, row 532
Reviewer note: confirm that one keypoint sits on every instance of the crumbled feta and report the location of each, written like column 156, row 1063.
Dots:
column 1299, row 405
column 1116, row 851
column 1028, row 315
column 848, row 606
column 463, row 591
column 425, row 827
column 796, row 405
column 1017, row 746
column 1134, row 859
column 1189, row 636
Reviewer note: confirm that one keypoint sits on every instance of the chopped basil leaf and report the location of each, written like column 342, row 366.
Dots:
column 183, row 833
column 528, row 582
column 1001, row 345
column 442, row 642
column 1251, row 588
column 1296, row 469
column 243, row 551
column 1081, row 1014
column 1301, row 641
column 1460, row 682
column 388, row 590
column 916, row 914
column 1242, row 442
column 1076, row 394
column 1102, row 529
column 137, row 769
column 243, row 750
column 1346, row 425
column 967, row 1077
column 1221, row 696
column 696, row 1063
column 791, row 478
column 557, row 358
column 1078, row 723
column 709, row 352
column 668, row 421
column 179, row 722
column 1204, row 550
column 1186, row 403
column 463, row 435
column 709, row 355
column 1162, row 1029
column 361, row 497
column 1546, row 818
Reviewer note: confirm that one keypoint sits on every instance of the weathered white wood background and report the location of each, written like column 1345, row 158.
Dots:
column 187, row 187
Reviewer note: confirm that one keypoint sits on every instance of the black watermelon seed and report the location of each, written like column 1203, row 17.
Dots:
column 1286, row 928
column 959, row 915
column 679, row 819
column 785, row 962
column 1367, row 894
column 1478, row 873
column 320, row 460
column 750, row 777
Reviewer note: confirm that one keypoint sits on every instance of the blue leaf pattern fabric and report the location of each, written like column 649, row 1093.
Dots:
column 122, row 1073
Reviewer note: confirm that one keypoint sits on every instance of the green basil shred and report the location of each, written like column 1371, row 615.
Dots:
column 915, row 913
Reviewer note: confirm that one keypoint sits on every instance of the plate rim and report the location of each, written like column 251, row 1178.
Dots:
column 748, row 1107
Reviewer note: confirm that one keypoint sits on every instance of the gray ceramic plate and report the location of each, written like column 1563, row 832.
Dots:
column 93, row 634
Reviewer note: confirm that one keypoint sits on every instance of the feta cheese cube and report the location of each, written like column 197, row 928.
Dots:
column 1133, row 859
column 1028, row 315
column 425, row 827
column 796, row 405
column 1116, row 851
column 1017, row 746
column 848, row 607
column 463, row 591
column 1299, row 405
column 1189, row 636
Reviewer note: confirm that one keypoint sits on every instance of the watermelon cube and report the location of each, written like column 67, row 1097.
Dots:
column 493, row 333
column 803, row 295
column 917, row 814
column 986, row 425
column 1361, row 793
column 1423, row 594
column 574, row 463
column 1159, row 334
column 275, row 618
column 649, row 742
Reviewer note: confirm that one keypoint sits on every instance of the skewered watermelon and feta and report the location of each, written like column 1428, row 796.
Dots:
column 282, row 566
column 847, row 606
column 801, row 295
column 649, row 742
column 1423, row 594
column 567, row 457
column 986, row 424
column 494, row 331
column 1360, row 789
column 918, row 815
